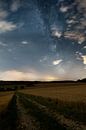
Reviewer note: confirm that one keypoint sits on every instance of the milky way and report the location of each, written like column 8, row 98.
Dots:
column 42, row 39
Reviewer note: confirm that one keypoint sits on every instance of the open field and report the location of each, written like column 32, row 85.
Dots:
column 45, row 106
column 62, row 91
column 5, row 98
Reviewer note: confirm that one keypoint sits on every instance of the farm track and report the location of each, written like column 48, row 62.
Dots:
column 8, row 117
column 67, row 123
column 25, row 120
column 46, row 121
column 27, row 113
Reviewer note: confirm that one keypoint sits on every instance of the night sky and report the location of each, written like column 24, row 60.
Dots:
column 42, row 39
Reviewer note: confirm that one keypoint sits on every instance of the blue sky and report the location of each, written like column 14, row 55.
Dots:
column 42, row 39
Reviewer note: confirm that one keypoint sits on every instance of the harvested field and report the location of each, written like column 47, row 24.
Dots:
column 52, row 107
column 62, row 91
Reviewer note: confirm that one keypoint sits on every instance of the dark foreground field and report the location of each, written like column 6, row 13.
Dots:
column 48, row 107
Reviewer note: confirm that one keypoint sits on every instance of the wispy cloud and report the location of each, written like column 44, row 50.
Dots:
column 56, row 31
column 15, row 5
column 50, row 78
column 71, row 21
column 73, row 35
column 16, row 75
column 3, row 44
column 64, row 9
column 75, row 21
column 44, row 59
column 56, row 62
column 79, row 56
column 56, row 34
column 84, row 47
column 9, row 50
column 84, row 59
column 3, row 14
column 81, row 4
column 7, row 26
column 24, row 42
column 53, row 47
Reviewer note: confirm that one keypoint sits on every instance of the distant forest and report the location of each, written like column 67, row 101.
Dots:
column 14, row 85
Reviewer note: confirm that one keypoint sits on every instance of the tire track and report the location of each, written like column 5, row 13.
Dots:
column 25, row 121
column 9, row 117
column 68, row 123
column 47, row 122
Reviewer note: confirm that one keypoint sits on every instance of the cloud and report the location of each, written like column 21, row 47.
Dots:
column 79, row 56
column 84, row 47
column 24, row 42
column 3, row 14
column 60, row 71
column 7, row 26
column 73, row 35
column 44, row 59
column 71, row 21
column 10, row 50
column 16, row 75
column 15, row 5
column 64, row 9
column 56, row 34
column 56, row 31
column 3, row 44
column 81, row 4
column 53, row 47
column 84, row 59
column 50, row 78
column 75, row 21
column 56, row 62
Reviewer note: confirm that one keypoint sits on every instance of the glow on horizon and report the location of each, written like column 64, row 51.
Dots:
column 15, row 75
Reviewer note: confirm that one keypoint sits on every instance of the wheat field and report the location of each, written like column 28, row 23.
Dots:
column 62, row 91
column 44, row 106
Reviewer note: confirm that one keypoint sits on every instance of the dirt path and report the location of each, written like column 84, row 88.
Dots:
column 27, row 113
column 25, row 121
column 46, row 121
column 9, row 116
column 16, row 117
column 68, row 123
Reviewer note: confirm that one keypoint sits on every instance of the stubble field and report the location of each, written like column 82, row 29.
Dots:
column 44, row 106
